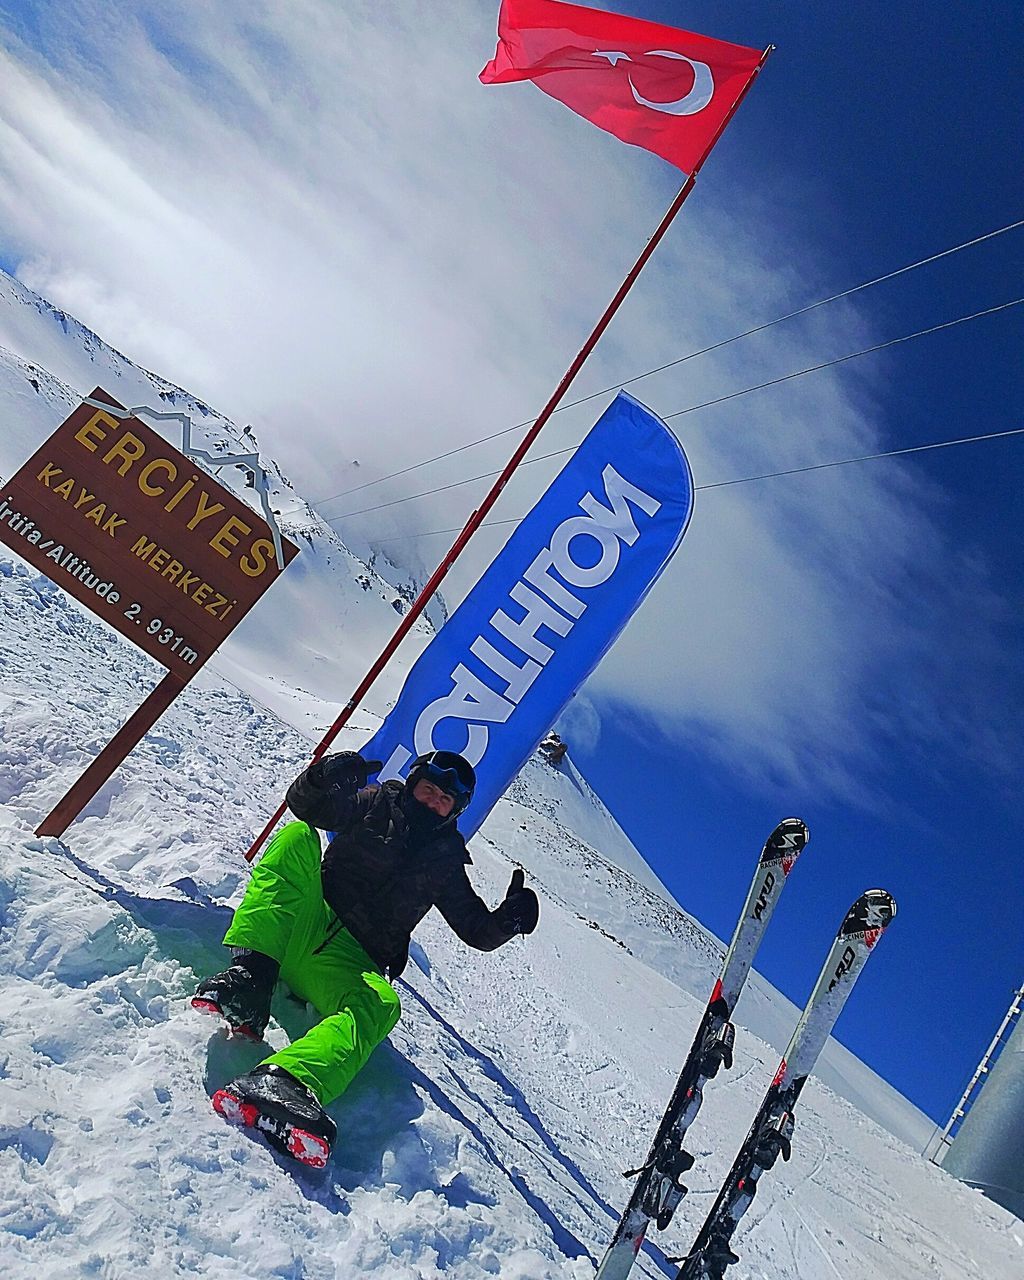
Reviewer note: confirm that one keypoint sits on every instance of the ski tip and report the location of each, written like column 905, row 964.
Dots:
column 787, row 842
column 872, row 913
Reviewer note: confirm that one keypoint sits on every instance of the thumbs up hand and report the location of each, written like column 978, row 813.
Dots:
column 520, row 910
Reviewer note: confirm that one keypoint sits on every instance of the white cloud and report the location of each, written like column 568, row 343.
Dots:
column 580, row 724
column 313, row 216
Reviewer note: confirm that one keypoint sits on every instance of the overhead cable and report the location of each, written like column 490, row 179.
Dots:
column 715, row 346
column 767, row 475
column 706, row 404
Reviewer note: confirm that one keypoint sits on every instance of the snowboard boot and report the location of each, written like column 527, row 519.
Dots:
column 241, row 994
column 270, row 1100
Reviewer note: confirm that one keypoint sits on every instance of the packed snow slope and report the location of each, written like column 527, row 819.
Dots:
column 486, row 1137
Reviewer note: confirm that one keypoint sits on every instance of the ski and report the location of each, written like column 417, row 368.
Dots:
column 772, row 1131
column 659, row 1187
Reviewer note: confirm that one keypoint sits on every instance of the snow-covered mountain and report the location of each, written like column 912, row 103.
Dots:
column 49, row 361
column 486, row 1137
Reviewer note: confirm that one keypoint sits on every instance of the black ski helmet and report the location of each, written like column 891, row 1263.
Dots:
column 449, row 771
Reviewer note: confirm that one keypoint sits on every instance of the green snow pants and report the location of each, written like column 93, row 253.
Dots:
column 283, row 914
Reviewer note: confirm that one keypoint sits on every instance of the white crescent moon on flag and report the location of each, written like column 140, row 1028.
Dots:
column 696, row 100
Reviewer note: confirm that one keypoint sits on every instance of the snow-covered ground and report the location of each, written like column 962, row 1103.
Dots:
column 486, row 1138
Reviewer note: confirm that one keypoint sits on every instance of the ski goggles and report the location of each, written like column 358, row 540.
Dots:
column 448, row 771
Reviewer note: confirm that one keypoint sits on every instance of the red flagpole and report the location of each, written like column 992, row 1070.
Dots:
column 478, row 516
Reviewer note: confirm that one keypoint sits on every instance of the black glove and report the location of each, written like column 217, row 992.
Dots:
column 520, row 911
column 344, row 772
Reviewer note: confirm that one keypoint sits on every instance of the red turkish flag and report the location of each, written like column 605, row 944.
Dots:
column 657, row 87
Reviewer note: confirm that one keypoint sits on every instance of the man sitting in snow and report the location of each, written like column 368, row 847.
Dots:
column 336, row 931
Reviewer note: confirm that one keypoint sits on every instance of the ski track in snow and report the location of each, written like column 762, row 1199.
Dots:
column 486, row 1138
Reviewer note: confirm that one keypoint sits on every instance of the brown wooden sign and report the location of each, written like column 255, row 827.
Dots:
column 133, row 529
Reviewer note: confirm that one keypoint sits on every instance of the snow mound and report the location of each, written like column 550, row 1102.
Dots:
column 112, row 1165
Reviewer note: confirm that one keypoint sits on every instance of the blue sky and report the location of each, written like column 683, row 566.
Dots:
column 320, row 222
column 884, row 132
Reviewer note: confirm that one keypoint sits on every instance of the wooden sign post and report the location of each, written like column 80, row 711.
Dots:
column 163, row 553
